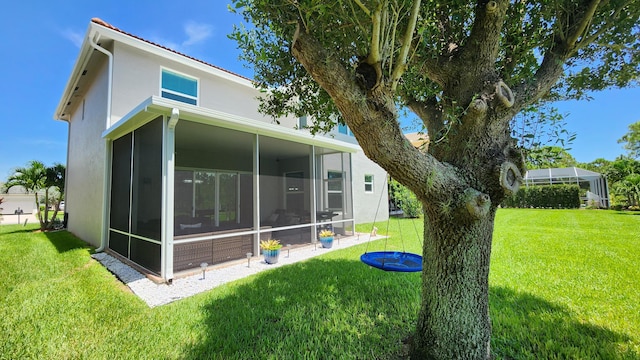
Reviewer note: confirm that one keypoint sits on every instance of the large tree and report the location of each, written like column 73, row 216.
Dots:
column 465, row 69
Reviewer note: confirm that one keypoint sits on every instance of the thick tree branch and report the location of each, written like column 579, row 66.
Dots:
column 484, row 41
column 373, row 121
column 429, row 112
column 376, row 21
column 545, row 78
column 406, row 45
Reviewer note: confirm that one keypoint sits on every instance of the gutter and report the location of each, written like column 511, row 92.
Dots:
column 107, row 161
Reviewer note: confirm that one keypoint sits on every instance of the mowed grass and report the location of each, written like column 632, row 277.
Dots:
column 563, row 284
column 566, row 284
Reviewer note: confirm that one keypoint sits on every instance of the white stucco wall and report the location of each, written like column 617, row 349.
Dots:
column 365, row 204
column 136, row 76
column 85, row 160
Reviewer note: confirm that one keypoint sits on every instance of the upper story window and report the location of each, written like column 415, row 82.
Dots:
column 179, row 87
column 302, row 122
column 344, row 129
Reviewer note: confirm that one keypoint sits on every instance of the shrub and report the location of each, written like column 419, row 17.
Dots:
column 404, row 199
column 545, row 196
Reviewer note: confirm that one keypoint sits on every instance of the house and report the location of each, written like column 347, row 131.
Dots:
column 170, row 164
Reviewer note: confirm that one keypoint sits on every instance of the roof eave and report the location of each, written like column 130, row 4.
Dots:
column 76, row 73
column 153, row 106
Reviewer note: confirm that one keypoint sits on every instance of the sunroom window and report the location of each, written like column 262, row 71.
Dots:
column 179, row 87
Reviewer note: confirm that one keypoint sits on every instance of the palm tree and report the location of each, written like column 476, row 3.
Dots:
column 32, row 178
column 36, row 177
column 55, row 178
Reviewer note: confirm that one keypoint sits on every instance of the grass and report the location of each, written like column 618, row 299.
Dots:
column 563, row 284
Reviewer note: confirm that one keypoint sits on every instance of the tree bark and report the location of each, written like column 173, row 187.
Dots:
column 453, row 322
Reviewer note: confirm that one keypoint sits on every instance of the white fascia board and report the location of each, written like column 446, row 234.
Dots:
column 154, row 106
column 167, row 54
column 83, row 57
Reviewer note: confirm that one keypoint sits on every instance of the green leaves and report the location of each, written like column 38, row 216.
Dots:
column 631, row 140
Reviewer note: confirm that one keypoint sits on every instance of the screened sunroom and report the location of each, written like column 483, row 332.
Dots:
column 598, row 191
column 190, row 186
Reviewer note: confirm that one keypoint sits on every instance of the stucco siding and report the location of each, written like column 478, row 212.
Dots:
column 136, row 77
column 85, row 164
column 366, row 204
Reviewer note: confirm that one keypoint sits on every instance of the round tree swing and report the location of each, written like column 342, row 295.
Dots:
column 398, row 261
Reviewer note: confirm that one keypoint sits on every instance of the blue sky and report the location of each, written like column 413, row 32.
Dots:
column 40, row 42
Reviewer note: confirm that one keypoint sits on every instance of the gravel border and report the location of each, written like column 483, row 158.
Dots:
column 160, row 294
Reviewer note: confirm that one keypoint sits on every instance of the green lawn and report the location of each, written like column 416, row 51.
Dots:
column 564, row 284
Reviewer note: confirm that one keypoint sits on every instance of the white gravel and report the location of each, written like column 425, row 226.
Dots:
column 160, row 294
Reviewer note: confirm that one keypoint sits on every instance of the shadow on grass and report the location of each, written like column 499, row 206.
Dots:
column 16, row 229
column 528, row 327
column 65, row 241
column 340, row 309
column 315, row 309
column 636, row 213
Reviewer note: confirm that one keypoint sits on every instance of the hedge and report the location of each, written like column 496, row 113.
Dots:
column 545, row 196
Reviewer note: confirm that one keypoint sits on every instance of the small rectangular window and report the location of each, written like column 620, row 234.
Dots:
column 368, row 183
column 334, row 189
column 179, row 87
column 343, row 129
column 302, row 122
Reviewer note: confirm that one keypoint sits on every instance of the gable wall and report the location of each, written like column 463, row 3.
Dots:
column 85, row 159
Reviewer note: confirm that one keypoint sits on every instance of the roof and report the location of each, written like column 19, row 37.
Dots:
column 418, row 140
column 107, row 25
column 99, row 31
column 561, row 173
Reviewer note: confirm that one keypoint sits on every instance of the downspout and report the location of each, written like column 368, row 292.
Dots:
column 107, row 160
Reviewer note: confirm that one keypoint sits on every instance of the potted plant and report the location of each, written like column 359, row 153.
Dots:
column 326, row 238
column 270, row 250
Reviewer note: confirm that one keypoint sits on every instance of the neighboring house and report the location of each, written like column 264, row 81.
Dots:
column 170, row 164
column 18, row 200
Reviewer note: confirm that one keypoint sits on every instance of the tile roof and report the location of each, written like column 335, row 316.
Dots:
column 107, row 25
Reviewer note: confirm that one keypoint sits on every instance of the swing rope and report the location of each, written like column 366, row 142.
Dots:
column 391, row 260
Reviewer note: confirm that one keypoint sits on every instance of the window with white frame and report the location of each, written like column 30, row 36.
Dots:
column 368, row 183
column 179, row 87
column 334, row 189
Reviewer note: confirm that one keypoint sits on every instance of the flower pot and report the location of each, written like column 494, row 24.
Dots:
column 271, row 256
column 327, row 242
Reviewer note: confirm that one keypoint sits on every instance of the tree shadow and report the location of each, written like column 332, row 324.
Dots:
column 314, row 309
column 632, row 213
column 528, row 327
column 333, row 309
column 65, row 241
column 17, row 229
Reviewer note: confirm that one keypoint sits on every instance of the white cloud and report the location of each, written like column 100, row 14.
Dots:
column 166, row 43
column 196, row 33
column 74, row 36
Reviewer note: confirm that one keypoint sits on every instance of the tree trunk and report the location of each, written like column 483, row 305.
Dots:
column 453, row 322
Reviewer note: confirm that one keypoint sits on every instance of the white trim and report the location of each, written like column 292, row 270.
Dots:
column 167, row 54
column 154, row 106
